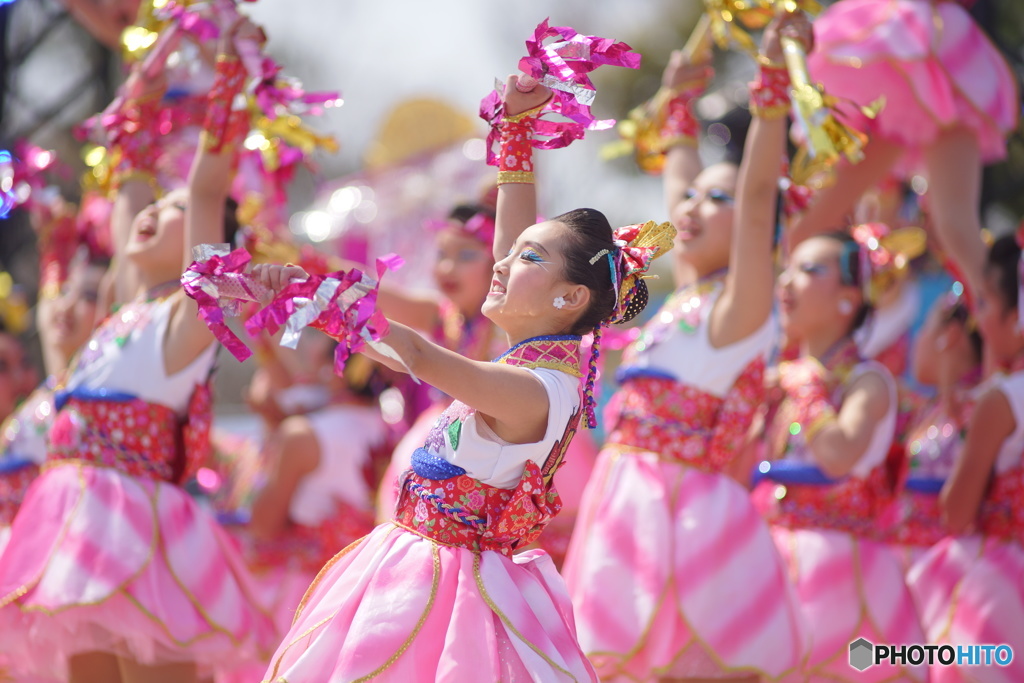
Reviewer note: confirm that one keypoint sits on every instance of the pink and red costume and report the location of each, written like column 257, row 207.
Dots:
column 969, row 588
column 848, row 583
column 107, row 553
column 929, row 60
column 664, row 533
column 460, row 605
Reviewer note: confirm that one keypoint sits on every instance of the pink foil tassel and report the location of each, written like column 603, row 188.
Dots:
column 563, row 66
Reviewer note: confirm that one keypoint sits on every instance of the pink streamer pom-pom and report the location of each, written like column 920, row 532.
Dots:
column 342, row 304
column 563, row 66
column 215, row 282
column 190, row 21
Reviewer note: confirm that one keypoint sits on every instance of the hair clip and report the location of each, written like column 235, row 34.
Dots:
column 598, row 255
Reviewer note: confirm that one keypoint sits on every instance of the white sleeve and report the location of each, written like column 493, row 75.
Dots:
column 1012, row 387
column 488, row 459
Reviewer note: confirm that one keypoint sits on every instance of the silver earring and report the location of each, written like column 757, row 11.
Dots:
column 845, row 307
column 559, row 302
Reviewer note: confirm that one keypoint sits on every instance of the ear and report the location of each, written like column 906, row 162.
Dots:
column 577, row 298
column 948, row 337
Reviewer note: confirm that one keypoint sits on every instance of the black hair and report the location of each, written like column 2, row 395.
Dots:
column 1001, row 265
column 850, row 274
column 463, row 212
column 959, row 313
column 589, row 233
column 231, row 224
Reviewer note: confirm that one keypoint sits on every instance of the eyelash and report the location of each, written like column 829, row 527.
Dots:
column 812, row 268
column 714, row 195
column 532, row 256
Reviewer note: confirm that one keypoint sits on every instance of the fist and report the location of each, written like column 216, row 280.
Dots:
column 793, row 25
column 276, row 278
column 682, row 74
column 517, row 101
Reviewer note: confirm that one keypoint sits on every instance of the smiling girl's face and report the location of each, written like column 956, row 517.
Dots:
column 527, row 281
column 704, row 220
column 463, row 270
column 158, row 233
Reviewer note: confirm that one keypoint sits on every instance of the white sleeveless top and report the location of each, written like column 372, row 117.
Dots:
column 1010, row 452
column 688, row 357
column 488, row 458
column 136, row 366
column 346, row 434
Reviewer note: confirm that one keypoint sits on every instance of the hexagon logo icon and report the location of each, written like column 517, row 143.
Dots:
column 861, row 651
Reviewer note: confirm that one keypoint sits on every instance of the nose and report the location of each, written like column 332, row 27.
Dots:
column 690, row 204
column 785, row 278
column 445, row 264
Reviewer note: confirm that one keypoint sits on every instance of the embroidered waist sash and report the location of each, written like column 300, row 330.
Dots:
column 440, row 501
column 683, row 423
column 799, row 496
column 135, row 437
column 1002, row 510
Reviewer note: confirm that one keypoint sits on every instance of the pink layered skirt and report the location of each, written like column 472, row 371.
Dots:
column 395, row 606
column 101, row 561
column 279, row 591
column 970, row 590
column 934, row 66
column 850, row 588
column 674, row 573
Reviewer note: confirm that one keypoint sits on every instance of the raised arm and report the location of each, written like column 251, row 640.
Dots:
column 747, row 299
column 517, row 195
column 682, row 82
column 838, row 444
column 208, row 184
column 136, row 146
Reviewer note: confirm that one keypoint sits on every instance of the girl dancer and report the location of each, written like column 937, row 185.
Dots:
column 968, row 587
column 112, row 571
column 830, row 488
column 950, row 102
column 665, row 534
column 459, row 606
column 947, row 356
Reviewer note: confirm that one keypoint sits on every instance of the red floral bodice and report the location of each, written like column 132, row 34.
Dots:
column 1002, row 511
column 308, row 547
column 13, row 486
column 135, row 437
column 864, row 506
column 683, row 423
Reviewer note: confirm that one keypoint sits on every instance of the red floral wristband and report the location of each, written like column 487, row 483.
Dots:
column 134, row 143
column 223, row 127
column 681, row 126
column 769, row 94
column 515, row 159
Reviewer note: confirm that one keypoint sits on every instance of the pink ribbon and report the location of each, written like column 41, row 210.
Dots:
column 632, row 260
column 563, row 66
